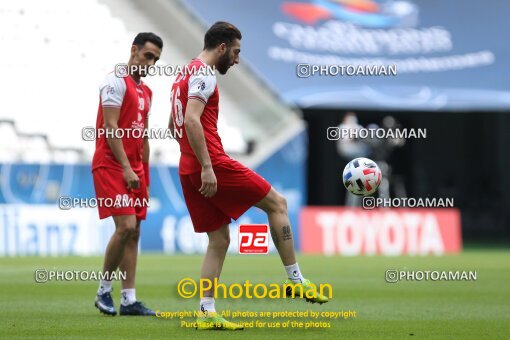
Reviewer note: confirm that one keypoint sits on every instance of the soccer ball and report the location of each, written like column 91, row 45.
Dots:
column 362, row 176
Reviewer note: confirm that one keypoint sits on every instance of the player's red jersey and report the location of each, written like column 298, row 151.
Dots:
column 199, row 83
column 134, row 101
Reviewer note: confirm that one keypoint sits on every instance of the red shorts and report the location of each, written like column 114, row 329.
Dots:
column 239, row 188
column 111, row 188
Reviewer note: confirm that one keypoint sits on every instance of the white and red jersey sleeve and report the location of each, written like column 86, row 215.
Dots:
column 201, row 87
column 112, row 91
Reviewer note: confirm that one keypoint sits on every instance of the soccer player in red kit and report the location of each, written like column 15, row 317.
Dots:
column 121, row 170
column 217, row 188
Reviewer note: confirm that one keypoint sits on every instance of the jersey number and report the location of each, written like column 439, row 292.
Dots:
column 177, row 107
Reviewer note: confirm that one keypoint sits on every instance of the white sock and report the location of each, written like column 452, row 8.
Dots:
column 294, row 274
column 127, row 296
column 104, row 287
column 207, row 304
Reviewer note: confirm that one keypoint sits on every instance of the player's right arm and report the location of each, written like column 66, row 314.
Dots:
column 200, row 88
column 112, row 93
column 196, row 138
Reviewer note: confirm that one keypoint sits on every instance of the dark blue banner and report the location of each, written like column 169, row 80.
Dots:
column 343, row 53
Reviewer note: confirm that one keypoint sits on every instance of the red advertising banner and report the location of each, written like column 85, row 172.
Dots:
column 382, row 231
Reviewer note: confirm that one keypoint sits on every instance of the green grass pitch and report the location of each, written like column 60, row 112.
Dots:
column 449, row 310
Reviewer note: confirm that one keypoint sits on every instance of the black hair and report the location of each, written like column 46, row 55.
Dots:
column 221, row 32
column 142, row 38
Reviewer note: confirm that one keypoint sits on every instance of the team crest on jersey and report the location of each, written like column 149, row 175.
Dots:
column 201, row 85
column 110, row 89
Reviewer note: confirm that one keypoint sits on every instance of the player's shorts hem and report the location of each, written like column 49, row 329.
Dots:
column 212, row 227
column 255, row 201
column 105, row 214
column 120, row 213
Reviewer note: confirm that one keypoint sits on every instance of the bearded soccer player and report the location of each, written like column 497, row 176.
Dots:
column 217, row 188
column 121, row 170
